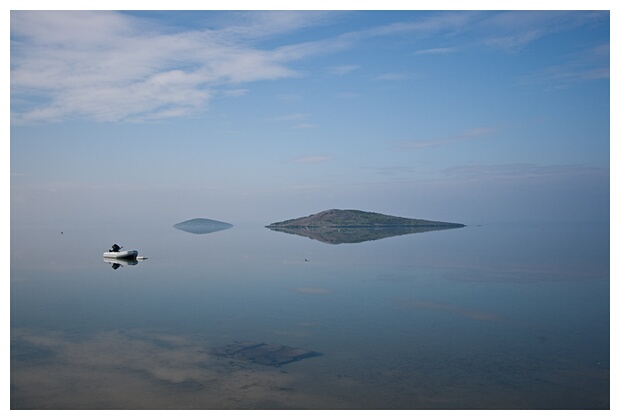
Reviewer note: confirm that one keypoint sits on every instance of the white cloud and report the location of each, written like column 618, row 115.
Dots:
column 108, row 66
column 111, row 66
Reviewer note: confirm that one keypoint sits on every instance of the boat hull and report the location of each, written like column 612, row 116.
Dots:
column 121, row 255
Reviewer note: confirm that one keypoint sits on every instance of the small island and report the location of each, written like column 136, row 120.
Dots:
column 353, row 226
column 201, row 226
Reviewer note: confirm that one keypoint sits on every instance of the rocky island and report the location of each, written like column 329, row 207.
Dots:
column 352, row 226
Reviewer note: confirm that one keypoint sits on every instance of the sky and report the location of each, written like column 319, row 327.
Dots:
column 470, row 116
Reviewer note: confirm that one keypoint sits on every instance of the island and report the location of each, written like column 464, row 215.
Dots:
column 353, row 226
column 201, row 226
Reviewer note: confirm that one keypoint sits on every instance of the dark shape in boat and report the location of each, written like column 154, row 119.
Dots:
column 200, row 226
column 354, row 226
column 262, row 353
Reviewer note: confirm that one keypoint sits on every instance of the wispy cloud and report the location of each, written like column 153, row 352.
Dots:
column 311, row 159
column 435, row 51
column 289, row 117
column 253, row 25
column 111, row 66
column 525, row 171
column 347, row 95
column 300, row 120
column 513, row 30
column 392, row 77
column 307, row 126
column 342, row 70
column 471, row 134
column 233, row 93
column 449, row 22
column 582, row 66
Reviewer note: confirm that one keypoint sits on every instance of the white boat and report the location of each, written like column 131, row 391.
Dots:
column 121, row 255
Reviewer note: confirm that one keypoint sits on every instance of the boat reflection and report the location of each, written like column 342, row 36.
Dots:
column 117, row 263
column 351, row 235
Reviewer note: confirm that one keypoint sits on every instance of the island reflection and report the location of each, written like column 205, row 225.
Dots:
column 352, row 235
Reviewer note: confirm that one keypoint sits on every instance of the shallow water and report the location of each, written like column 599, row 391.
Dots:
column 487, row 317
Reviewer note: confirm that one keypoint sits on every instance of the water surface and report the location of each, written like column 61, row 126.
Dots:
column 487, row 317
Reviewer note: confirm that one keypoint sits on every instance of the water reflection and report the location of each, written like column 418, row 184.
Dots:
column 492, row 317
column 142, row 369
column 449, row 308
column 343, row 235
column 201, row 226
column 117, row 263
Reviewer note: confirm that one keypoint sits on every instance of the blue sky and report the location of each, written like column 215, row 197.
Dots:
column 255, row 117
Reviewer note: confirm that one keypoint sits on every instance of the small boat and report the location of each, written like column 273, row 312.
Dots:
column 116, row 253
column 121, row 255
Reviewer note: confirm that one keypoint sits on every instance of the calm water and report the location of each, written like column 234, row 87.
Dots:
column 496, row 317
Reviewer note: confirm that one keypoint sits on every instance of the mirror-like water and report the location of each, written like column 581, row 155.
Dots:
column 490, row 317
